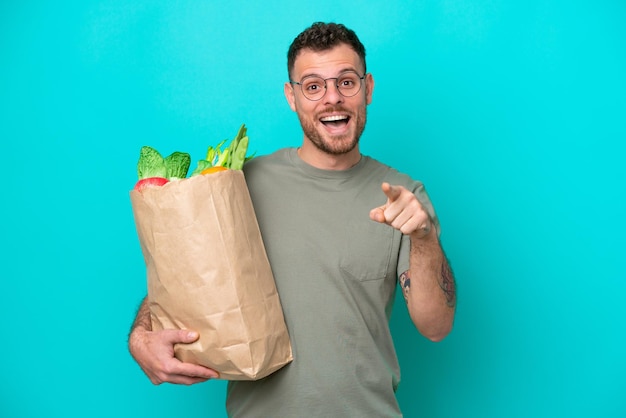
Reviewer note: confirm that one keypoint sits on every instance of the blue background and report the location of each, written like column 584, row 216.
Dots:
column 511, row 112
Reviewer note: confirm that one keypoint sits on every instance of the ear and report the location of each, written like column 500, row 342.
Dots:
column 290, row 96
column 369, row 87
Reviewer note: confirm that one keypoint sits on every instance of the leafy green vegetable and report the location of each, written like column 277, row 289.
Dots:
column 233, row 157
column 202, row 165
column 151, row 163
column 239, row 156
column 177, row 165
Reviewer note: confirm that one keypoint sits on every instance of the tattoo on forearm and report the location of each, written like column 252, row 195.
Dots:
column 447, row 283
column 405, row 285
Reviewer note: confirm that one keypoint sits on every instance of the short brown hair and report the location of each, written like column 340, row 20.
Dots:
column 322, row 36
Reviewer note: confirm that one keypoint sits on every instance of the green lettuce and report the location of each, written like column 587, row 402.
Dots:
column 177, row 165
column 152, row 164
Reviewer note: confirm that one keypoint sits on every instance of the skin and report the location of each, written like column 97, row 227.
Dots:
column 329, row 147
column 154, row 352
column 428, row 286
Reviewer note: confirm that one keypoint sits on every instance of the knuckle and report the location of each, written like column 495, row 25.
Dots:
column 156, row 380
column 167, row 368
column 164, row 375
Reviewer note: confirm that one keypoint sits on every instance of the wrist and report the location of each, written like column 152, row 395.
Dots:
column 424, row 233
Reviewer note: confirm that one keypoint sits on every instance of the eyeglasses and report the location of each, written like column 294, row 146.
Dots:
column 314, row 87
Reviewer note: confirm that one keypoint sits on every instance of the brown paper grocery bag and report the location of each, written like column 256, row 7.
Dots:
column 207, row 271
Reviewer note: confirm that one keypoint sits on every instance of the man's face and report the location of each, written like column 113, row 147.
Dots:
column 334, row 123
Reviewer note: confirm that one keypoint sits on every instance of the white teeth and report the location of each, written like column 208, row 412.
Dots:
column 334, row 118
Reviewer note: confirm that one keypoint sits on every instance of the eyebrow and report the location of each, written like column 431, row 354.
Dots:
column 345, row 70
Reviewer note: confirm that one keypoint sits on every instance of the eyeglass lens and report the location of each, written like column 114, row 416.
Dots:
column 314, row 87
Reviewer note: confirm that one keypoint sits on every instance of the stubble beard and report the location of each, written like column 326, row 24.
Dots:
column 337, row 144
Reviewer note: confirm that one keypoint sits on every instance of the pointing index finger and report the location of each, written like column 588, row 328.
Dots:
column 392, row 192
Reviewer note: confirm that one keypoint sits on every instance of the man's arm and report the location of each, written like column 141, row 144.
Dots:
column 142, row 319
column 154, row 352
column 428, row 285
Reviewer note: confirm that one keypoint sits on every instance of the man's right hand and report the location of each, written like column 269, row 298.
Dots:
column 154, row 352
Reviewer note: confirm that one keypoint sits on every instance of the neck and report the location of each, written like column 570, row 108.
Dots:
column 317, row 158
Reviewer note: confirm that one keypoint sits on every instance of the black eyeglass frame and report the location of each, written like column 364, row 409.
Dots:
column 361, row 78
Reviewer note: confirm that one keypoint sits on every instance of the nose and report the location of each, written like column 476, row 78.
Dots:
column 332, row 95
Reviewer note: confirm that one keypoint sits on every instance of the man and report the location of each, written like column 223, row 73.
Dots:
column 340, row 229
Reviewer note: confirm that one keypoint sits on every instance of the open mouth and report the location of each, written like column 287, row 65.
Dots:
column 335, row 121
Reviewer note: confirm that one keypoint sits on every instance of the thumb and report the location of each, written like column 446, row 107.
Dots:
column 378, row 214
column 181, row 336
